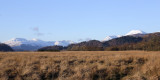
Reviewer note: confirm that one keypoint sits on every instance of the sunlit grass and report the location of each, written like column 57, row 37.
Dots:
column 83, row 65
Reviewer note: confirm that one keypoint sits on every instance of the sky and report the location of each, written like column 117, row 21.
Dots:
column 54, row 20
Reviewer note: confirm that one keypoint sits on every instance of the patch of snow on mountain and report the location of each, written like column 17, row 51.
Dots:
column 134, row 32
column 15, row 42
column 63, row 43
column 34, row 42
column 111, row 37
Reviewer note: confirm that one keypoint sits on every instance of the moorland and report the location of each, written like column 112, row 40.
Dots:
column 80, row 65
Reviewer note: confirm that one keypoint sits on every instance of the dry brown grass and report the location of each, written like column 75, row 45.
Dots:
column 100, row 65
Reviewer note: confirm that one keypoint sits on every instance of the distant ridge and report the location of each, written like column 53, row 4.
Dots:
column 22, row 44
column 130, row 33
column 133, row 40
column 148, row 42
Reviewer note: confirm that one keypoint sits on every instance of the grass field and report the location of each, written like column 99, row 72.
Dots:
column 83, row 65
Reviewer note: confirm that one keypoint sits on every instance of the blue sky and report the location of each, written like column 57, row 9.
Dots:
column 53, row 20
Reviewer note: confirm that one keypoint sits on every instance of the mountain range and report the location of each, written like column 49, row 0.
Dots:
column 22, row 44
column 146, row 42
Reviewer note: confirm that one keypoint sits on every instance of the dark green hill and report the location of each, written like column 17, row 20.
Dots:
column 4, row 47
column 52, row 48
column 150, row 42
column 92, row 45
column 95, row 45
column 122, row 40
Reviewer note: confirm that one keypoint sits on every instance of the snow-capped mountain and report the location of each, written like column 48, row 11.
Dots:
column 131, row 33
column 110, row 37
column 34, row 44
column 135, row 32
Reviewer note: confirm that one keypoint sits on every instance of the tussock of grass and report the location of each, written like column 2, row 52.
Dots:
column 122, row 65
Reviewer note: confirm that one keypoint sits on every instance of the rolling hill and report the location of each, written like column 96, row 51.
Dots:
column 4, row 47
column 150, row 42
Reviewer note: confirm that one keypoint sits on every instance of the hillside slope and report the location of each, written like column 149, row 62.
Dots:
column 150, row 42
column 4, row 47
